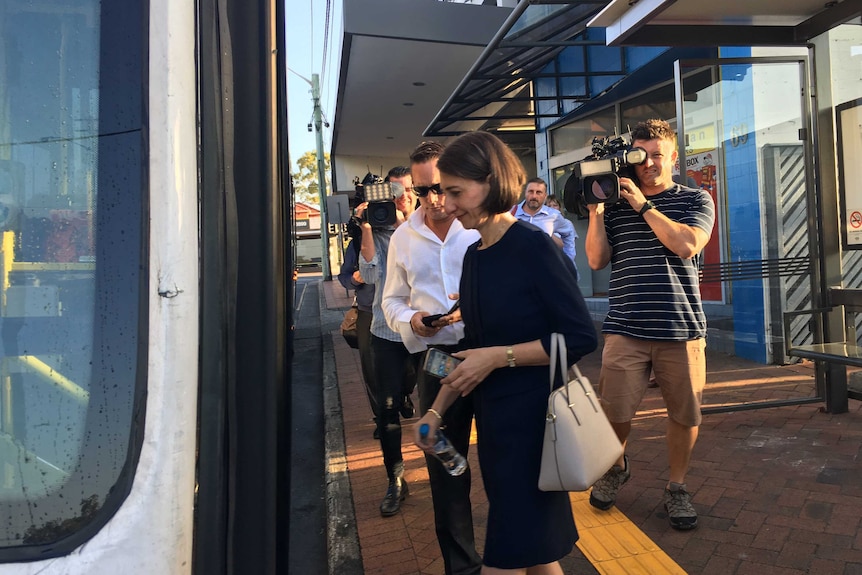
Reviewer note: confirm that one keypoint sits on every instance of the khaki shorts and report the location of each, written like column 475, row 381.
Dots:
column 679, row 368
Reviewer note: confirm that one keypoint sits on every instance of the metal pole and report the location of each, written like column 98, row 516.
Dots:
column 321, row 176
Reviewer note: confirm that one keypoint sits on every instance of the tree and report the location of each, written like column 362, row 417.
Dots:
column 305, row 182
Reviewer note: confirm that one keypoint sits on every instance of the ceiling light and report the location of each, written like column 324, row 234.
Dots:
column 515, row 129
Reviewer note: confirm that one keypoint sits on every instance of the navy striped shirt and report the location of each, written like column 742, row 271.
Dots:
column 654, row 293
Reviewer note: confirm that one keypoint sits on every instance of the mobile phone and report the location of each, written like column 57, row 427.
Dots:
column 429, row 319
column 439, row 363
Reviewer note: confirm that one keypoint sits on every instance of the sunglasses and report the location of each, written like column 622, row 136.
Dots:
column 422, row 191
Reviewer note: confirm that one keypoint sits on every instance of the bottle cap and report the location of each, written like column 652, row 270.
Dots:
column 423, row 430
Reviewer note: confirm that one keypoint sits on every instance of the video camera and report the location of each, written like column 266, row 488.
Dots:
column 596, row 178
column 380, row 195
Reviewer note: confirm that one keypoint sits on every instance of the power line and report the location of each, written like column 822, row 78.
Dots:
column 325, row 39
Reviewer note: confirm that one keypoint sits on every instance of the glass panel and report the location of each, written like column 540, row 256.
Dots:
column 533, row 15
column 579, row 134
column 70, row 184
column 658, row 103
column 740, row 130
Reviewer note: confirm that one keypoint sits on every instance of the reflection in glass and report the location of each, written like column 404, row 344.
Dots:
column 66, row 396
column 578, row 135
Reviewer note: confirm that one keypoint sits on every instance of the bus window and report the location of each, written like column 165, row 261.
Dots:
column 70, row 266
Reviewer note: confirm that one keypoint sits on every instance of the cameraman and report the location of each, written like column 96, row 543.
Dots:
column 655, row 318
column 394, row 367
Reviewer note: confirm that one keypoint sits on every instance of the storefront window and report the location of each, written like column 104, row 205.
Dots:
column 580, row 133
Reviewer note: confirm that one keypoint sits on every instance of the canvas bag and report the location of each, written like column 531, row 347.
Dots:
column 579, row 445
column 348, row 326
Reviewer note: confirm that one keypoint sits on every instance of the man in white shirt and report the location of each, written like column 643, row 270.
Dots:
column 423, row 268
column 534, row 210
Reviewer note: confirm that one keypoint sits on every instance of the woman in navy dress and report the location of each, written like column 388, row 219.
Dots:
column 517, row 288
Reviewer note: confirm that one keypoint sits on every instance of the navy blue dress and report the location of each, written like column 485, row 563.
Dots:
column 521, row 289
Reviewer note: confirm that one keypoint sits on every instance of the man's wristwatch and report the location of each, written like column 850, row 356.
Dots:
column 648, row 205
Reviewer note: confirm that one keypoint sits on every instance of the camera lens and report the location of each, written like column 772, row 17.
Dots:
column 380, row 214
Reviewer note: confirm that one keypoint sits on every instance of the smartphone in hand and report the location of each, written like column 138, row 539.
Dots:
column 430, row 319
column 439, row 363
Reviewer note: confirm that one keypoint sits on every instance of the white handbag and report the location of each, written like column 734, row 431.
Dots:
column 580, row 445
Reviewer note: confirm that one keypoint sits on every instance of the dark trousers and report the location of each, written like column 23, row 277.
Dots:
column 453, row 513
column 363, row 335
column 394, row 377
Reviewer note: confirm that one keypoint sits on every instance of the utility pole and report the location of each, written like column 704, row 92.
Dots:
column 321, row 176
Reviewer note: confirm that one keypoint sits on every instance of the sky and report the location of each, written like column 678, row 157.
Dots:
column 306, row 28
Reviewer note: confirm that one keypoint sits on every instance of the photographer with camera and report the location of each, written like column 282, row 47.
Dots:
column 651, row 236
column 386, row 207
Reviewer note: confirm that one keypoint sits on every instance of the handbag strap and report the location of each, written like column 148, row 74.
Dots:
column 559, row 358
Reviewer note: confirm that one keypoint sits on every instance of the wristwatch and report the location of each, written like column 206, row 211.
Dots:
column 510, row 356
column 648, row 205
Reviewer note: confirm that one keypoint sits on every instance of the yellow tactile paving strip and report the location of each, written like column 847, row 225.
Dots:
column 614, row 545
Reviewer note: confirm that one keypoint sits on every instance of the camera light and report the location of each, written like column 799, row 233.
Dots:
column 378, row 192
column 596, row 167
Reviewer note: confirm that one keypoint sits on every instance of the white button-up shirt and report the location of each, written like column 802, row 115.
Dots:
column 421, row 271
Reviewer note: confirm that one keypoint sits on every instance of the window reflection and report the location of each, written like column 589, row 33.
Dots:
column 66, row 395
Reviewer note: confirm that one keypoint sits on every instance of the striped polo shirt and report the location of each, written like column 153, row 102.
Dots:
column 653, row 293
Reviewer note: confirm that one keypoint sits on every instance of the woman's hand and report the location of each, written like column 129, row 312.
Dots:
column 426, row 443
column 477, row 364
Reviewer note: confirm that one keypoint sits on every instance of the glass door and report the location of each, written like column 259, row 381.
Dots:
column 745, row 135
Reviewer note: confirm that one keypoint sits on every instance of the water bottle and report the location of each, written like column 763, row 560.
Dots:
column 453, row 462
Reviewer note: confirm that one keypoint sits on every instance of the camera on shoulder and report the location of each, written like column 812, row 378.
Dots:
column 596, row 178
column 381, row 196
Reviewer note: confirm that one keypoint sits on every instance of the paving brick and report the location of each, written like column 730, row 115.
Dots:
column 771, row 537
column 756, row 568
column 796, row 555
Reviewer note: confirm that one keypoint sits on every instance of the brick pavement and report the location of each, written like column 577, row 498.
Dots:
column 778, row 490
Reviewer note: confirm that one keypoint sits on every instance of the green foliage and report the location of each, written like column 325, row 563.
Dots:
column 305, row 181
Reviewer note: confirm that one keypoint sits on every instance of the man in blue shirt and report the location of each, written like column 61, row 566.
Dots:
column 534, row 210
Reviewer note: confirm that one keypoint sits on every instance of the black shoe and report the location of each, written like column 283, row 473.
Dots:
column 376, row 433
column 408, row 411
column 396, row 493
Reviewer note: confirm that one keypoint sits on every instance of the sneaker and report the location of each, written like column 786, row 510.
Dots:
column 408, row 411
column 677, row 502
column 604, row 493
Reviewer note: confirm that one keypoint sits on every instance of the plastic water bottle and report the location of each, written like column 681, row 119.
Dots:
column 453, row 462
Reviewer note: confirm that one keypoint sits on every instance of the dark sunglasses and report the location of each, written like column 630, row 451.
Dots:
column 422, row 191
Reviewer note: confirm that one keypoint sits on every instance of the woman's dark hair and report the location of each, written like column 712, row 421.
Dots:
column 483, row 157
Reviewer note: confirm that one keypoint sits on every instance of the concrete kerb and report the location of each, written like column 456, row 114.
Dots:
column 345, row 557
